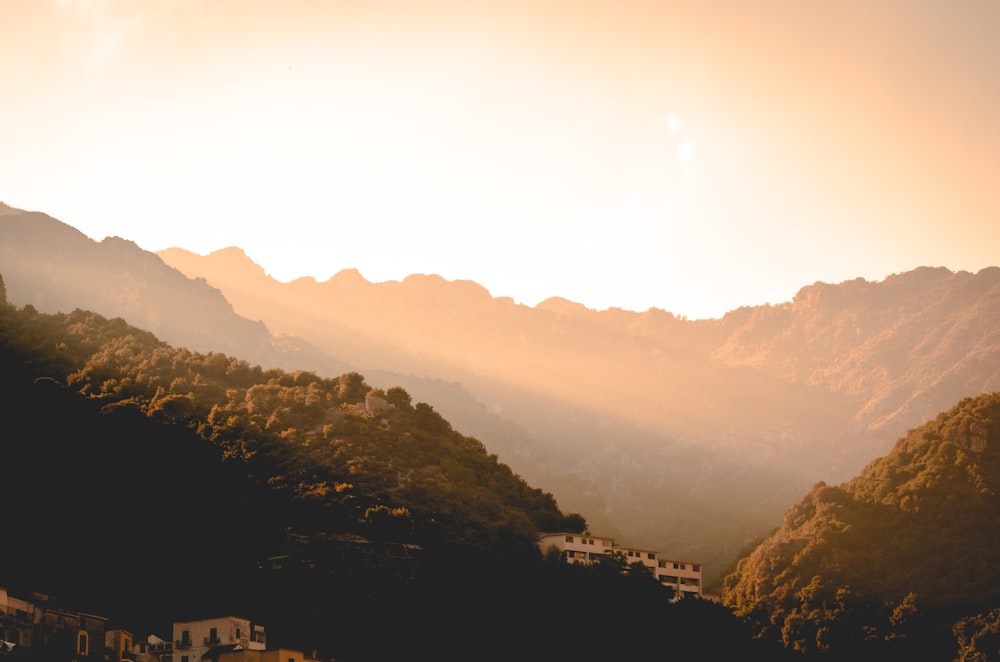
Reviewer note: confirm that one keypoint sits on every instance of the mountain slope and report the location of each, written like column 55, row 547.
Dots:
column 732, row 417
column 902, row 550
column 173, row 485
column 55, row 268
column 691, row 437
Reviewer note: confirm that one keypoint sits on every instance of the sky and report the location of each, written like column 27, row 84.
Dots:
column 691, row 156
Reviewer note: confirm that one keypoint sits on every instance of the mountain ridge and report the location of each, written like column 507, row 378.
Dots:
column 625, row 415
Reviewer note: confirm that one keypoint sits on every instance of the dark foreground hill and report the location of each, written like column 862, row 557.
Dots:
column 900, row 560
column 149, row 484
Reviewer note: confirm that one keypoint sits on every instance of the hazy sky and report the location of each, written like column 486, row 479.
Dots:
column 690, row 156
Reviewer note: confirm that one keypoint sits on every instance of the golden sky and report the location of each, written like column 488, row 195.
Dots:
column 690, row 156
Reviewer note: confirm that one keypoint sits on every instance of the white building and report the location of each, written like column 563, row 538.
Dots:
column 684, row 577
column 209, row 638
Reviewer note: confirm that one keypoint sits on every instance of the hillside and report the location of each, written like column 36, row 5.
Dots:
column 692, row 436
column 55, row 268
column 896, row 555
column 153, row 484
column 733, row 417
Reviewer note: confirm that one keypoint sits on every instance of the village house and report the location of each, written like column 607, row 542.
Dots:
column 38, row 625
column 684, row 577
column 37, row 628
column 207, row 639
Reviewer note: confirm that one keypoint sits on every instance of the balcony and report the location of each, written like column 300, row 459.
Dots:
column 212, row 641
column 182, row 643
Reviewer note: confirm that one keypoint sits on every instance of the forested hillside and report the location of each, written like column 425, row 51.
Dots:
column 151, row 483
column 895, row 558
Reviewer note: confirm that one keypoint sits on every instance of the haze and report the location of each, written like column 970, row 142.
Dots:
column 688, row 156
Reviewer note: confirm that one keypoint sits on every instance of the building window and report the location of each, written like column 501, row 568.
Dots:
column 184, row 658
column 81, row 645
column 590, row 542
column 696, row 568
column 651, row 556
column 237, row 633
column 569, row 538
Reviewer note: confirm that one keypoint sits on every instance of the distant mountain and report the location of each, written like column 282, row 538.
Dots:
column 55, row 268
column 900, row 553
column 731, row 417
column 687, row 436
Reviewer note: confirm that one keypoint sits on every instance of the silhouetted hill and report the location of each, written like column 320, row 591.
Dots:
column 896, row 555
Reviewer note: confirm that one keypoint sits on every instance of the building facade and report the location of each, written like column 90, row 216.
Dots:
column 119, row 646
column 38, row 626
column 684, row 577
column 269, row 655
column 209, row 638
column 153, row 649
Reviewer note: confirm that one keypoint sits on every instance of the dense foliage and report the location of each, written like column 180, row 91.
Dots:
column 891, row 559
column 352, row 453
column 150, row 484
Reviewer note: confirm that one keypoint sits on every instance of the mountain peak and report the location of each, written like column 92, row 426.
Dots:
column 7, row 210
column 561, row 305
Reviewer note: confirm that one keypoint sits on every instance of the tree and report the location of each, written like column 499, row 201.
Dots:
column 574, row 523
column 172, row 408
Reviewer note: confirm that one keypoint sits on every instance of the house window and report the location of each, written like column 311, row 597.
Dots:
column 213, row 635
column 696, row 568
column 676, row 566
column 81, row 644
column 186, row 638
column 651, row 557
column 184, row 658
column 237, row 633
column 569, row 538
column 590, row 542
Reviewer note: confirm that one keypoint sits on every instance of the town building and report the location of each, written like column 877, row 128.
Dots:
column 17, row 618
column 269, row 655
column 207, row 639
column 118, row 645
column 684, row 577
column 39, row 626
column 153, row 649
